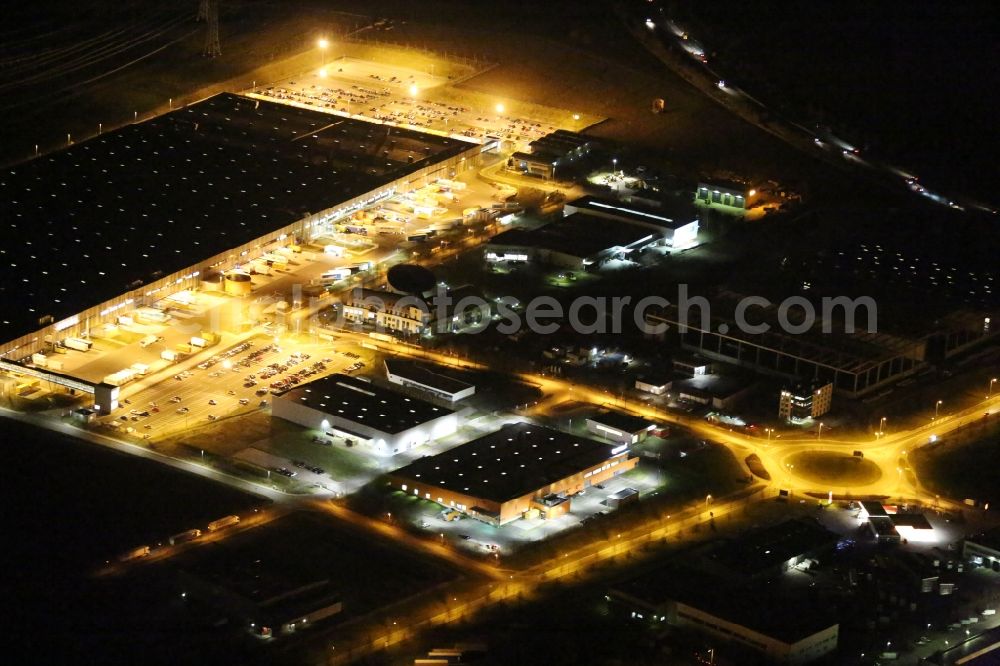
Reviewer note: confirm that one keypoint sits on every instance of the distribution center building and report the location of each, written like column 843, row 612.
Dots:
column 102, row 230
column 518, row 471
column 384, row 421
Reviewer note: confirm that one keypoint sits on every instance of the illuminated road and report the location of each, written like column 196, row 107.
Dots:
column 888, row 452
column 369, row 634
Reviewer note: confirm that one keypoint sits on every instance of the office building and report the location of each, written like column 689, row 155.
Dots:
column 805, row 400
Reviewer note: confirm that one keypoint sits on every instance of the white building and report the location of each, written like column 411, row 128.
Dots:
column 421, row 377
column 676, row 225
column 378, row 419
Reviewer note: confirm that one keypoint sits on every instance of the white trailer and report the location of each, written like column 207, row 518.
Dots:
column 77, row 344
column 223, row 523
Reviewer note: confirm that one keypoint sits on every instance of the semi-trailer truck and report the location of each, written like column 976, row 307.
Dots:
column 222, row 523
column 184, row 537
column 134, row 554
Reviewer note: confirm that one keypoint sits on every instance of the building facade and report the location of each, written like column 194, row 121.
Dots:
column 804, row 401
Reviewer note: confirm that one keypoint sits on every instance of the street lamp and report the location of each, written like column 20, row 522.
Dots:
column 322, row 44
column 937, row 407
column 881, row 427
column 992, row 382
column 413, row 90
column 819, row 433
column 499, row 108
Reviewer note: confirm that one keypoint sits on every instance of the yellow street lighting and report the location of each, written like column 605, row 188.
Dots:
column 413, row 89
column 500, row 108
column 322, row 44
column 322, row 73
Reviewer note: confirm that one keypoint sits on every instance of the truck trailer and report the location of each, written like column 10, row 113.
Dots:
column 222, row 523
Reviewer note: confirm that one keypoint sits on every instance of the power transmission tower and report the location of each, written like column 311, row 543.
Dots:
column 210, row 10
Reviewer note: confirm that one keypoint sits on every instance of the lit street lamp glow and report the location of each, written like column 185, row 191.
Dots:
column 500, row 108
column 413, row 89
column 322, row 44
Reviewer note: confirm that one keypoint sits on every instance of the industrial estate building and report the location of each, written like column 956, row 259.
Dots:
column 724, row 194
column 983, row 549
column 399, row 313
column 421, row 377
column 585, row 238
column 715, row 391
column 103, row 230
column 550, row 152
column 619, row 427
column 804, row 401
column 574, row 242
column 521, row 470
column 856, row 363
column 383, row 421
column 736, row 591
column 267, row 598
column 675, row 224
column 888, row 525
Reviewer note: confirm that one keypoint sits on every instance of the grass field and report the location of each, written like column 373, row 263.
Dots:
column 961, row 470
column 835, row 469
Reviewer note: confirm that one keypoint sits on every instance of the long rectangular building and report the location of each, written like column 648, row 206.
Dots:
column 383, row 421
column 127, row 218
column 522, row 467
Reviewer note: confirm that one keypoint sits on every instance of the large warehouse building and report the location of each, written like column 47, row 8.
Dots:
column 676, row 225
column 381, row 420
column 574, row 242
column 516, row 471
column 124, row 220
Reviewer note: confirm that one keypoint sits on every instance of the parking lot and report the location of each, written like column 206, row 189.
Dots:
column 410, row 98
column 234, row 380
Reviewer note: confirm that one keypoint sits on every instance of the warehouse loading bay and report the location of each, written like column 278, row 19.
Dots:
column 284, row 289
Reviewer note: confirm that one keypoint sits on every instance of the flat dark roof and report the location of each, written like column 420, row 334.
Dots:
column 150, row 199
column 579, row 234
column 359, row 401
column 423, row 374
column 621, row 421
column 775, row 608
column 672, row 214
column 989, row 538
column 917, row 521
column 711, row 385
column 769, row 547
column 514, row 461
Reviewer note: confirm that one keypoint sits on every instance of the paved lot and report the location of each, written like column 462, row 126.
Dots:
column 411, row 98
